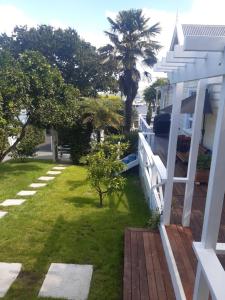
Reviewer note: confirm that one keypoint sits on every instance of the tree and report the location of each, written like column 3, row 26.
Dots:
column 78, row 61
column 150, row 96
column 31, row 85
column 102, row 114
column 132, row 42
column 150, row 92
column 104, row 168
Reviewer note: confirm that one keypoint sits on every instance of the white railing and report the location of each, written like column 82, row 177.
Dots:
column 146, row 130
column 153, row 174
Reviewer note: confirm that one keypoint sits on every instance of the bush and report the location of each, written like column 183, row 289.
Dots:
column 27, row 146
column 154, row 220
column 204, row 162
column 78, row 139
column 131, row 139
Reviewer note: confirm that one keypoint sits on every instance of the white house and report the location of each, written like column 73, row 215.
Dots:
column 189, row 33
column 195, row 62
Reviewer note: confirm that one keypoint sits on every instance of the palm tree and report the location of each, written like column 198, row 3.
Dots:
column 132, row 42
column 102, row 114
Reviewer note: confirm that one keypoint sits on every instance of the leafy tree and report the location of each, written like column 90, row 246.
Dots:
column 78, row 61
column 150, row 92
column 132, row 42
column 30, row 84
column 150, row 96
column 27, row 146
column 104, row 169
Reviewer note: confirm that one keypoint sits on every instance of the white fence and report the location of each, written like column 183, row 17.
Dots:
column 153, row 174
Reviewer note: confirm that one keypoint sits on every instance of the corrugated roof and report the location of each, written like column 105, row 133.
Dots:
column 203, row 30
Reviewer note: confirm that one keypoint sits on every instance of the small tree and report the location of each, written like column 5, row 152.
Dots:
column 104, row 168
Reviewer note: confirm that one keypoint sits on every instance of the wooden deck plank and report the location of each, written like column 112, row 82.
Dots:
column 146, row 274
column 182, row 261
column 127, row 266
column 135, row 283
column 149, row 266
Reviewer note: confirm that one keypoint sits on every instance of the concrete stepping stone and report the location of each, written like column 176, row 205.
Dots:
column 46, row 178
column 37, row 185
column 11, row 202
column 3, row 213
column 67, row 281
column 8, row 274
column 59, row 168
column 26, row 193
column 54, row 172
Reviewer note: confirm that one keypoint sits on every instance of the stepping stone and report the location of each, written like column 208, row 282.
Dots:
column 37, row 185
column 46, row 178
column 67, row 281
column 59, row 168
column 11, row 202
column 26, row 193
column 2, row 213
column 8, row 274
column 54, row 172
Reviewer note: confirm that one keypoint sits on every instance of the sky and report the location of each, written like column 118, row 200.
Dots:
column 89, row 18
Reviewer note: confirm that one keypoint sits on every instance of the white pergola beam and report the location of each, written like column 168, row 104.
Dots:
column 173, row 63
column 180, row 53
column 170, row 58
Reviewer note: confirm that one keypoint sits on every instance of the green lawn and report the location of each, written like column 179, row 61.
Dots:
column 63, row 223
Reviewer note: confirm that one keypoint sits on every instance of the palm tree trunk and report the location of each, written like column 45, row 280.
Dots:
column 128, row 114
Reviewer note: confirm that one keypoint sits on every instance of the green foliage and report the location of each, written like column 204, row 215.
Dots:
column 204, row 162
column 104, row 168
column 27, row 146
column 150, row 92
column 154, row 220
column 129, row 139
column 149, row 114
column 78, row 61
column 78, row 139
column 132, row 41
column 103, row 114
column 30, row 84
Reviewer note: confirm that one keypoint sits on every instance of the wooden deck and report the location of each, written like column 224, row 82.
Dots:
column 181, row 243
column 146, row 275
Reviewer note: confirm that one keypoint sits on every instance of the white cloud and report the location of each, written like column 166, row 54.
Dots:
column 11, row 16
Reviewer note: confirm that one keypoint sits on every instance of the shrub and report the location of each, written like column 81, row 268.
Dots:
column 27, row 147
column 104, row 169
column 154, row 220
column 130, row 139
column 204, row 162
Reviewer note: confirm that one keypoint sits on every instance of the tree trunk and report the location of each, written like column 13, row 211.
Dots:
column 100, row 199
column 22, row 134
column 54, row 145
column 128, row 114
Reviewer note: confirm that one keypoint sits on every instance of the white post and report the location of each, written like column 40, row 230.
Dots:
column 193, row 155
column 171, row 156
column 215, row 194
column 216, row 186
column 201, row 289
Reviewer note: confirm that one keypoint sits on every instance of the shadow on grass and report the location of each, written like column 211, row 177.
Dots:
column 17, row 167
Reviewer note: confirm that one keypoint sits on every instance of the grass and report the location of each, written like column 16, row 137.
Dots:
column 63, row 223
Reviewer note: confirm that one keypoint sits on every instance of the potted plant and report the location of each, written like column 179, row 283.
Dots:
column 203, row 167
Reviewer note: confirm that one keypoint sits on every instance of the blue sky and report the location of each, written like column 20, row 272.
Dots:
column 85, row 16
